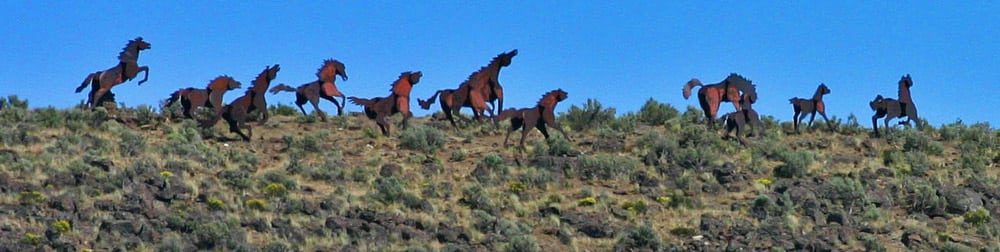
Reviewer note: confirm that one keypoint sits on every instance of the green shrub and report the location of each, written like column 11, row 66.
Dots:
column 523, row 243
column 591, row 116
column 605, row 166
column 282, row 110
column 635, row 207
column 62, row 226
column 423, row 138
column 846, row 191
column 256, row 204
column 236, row 178
column 641, row 237
column 216, row 204
column 48, row 117
column 276, row 177
column 977, row 217
column 212, row 234
column 14, row 101
column 32, row 239
column 31, row 198
column 796, row 164
column 389, row 189
column 275, row 190
column 475, row 197
column 655, row 113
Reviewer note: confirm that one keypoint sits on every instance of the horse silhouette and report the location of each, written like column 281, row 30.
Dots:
column 127, row 69
column 892, row 108
column 211, row 96
column 527, row 118
column 236, row 112
column 738, row 120
column 810, row 106
column 398, row 101
column 732, row 89
column 325, row 87
column 482, row 86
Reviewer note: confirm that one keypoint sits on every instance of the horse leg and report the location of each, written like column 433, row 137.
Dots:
column 340, row 109
column 875, row 124
column 912, row 114
column 795, row 119
column 146, row 77
column 514, row 125
column 811, row 118
column 383, row 123
column 315, row 103
column 96, row 97
column 823, row 114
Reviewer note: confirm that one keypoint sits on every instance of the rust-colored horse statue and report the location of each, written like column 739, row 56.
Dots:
column 211, row 96
column 398, row 101
column 729, row 90
column 527, row 118
column 127, row 69
column 482, row 86
column 236, row 112
column 810, row 106
column 325, row 87
column 891, row 108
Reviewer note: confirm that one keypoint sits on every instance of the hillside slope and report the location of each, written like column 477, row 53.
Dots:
column 76, row 180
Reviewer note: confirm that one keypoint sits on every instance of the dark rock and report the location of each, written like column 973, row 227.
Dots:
column 448, row 234
column 389, row 170
column 961, row 200
column 711, row 188
column 726, row 174
column 258, row 224
column 63, row 202
column 836, row 218
column 644, row 179
column 590, row 224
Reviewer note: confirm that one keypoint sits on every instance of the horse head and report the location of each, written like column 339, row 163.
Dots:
column 905, row 81
column 140, row 44
column 414, row 77
column 505, row 58
column 877, row 103
column 331, row 69
column 223, row 83
column 823, row 89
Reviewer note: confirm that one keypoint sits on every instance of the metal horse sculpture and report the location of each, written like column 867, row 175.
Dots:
column 482, row 86
column 810, row 106
column 127, row 69
column 236, row 112
column 732, row 89
column 211, row 96
column 738, row 120
column 891, row 108
column 325, row 87
column 398, row 101
column 527, row 118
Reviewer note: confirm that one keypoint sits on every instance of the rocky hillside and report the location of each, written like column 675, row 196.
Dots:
column 656, row 180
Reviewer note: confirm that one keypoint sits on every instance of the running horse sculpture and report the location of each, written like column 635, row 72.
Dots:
column 236, row 112
column 398, row 101
column 527, row 118
column 891, row 108
column 482, row 86
column 210, row 97
column 810, row 106
column 732, row 89
column 127, row 69
column 325, row 87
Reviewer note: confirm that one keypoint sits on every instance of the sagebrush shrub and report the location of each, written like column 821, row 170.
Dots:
column 423, row 138
column 591, row 116
column 656, row 113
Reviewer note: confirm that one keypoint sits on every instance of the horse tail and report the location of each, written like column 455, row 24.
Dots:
column 362, row 101
column 281, row 87
column 426, row 104
column 793, row 100
column 90, row 78
column 690, row 84
column 507, row 113
column 174, row 97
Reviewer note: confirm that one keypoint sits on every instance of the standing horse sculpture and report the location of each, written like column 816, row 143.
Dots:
column 236, row 112
column 527, row 118
column 810, row 106
column 127, row 69
column 738, row 120
column 210, row 97
column 729, row 90
column 891, row 108
column 398, row 101
column 482, row 86
column 325, row 87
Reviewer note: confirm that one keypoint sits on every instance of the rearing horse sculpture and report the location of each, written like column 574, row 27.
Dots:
column 127, row 69
column 891, row 108
column 482, row 86
column 537, row 117
column 398, row 101
column 810, row 106
column 729, row 90
column 236, row 112
column 211, row 96
column 325, row 88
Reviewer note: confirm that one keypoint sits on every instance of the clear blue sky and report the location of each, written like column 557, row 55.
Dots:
column 619, row 52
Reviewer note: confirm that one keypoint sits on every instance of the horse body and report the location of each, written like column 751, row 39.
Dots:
column 527, row 118
column 236, row 112
column 398, row 101
column 729, row 90
column 738, row 121
column 325, row 87
column 210, row 97
column 892, row 108
column 812, row 106
column 481, row 87
column 127, row 69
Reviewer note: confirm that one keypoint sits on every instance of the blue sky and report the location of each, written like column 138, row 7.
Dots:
column 618, row 52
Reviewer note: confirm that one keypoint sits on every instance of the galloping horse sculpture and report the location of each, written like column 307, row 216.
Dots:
column 482, row 86
column 810, row 106
column 398, row 101
column 729, row 90
column 127, row 69
column 325, row 87
column 527, row 118
column 891, row 108
column 236, row 112
column 211, row 96
column 446, row 104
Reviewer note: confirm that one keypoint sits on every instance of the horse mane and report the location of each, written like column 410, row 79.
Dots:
column 550, row 98
column 219, row 83
column 323, row 72
column 126, row 54
column 403, row 76
column 490, row 65
column 261, row 81
column 741, row 83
